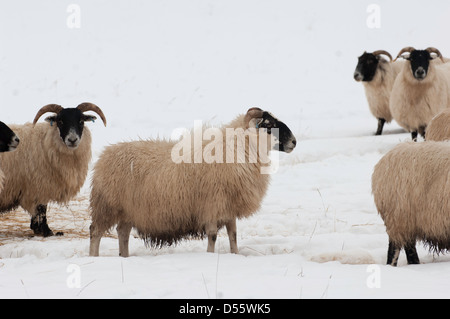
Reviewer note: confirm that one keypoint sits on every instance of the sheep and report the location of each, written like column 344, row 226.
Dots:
column 439, row 127
column 377, row 76
column 410, row 185
column 8, row 142
column 51, row 163
column 8, row 139
column 139, row 185
column 421, row 90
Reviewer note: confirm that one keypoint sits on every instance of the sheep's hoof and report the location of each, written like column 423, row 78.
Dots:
column 60, row 233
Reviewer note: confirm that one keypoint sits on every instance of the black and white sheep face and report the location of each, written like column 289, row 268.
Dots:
column 366, row 67
column 420, row 61
column 8, row 139
column 70, row 123
column 284, row 140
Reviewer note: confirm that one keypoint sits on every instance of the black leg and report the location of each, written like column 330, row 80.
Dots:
column 411, row 253
column 414, row 136
column 393, row 253
column 380, row 126
column 39, row 222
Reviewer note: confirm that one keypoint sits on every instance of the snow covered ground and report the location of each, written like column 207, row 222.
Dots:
column 157, row 65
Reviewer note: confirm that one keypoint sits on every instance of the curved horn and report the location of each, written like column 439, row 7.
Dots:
column 379, row 52
column 407, row 49
column 55, row 108
column 84, row 107
column 434, row 50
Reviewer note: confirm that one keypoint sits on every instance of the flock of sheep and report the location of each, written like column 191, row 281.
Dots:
column 137, row 185
column 411, row 183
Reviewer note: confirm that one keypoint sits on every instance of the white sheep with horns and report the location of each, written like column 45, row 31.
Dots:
column 378, row 76
column 51, row 163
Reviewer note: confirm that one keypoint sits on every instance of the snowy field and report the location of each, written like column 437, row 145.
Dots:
column 154, row 66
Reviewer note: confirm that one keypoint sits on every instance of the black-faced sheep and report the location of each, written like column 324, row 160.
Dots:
column 139, row 185
column 378, row 76
column 51, row 163
column 421, row 90
column 8, row 139
column 411, row 186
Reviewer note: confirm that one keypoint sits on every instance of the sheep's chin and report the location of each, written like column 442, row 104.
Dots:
column 72, row 147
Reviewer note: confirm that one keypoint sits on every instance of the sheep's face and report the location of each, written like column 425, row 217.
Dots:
column 8, row 139
column 70, row 123
column 282, row 138
column 420, row 61
column 366, row 67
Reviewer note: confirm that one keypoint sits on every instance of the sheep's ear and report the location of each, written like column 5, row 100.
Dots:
column 51, row 119
column 405, row 56
column 89, row 118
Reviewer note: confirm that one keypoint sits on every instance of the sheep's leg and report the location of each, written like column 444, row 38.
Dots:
column 39, row 222
column 211, row 232
column 232, row 236
column 123, row 230
column 422, row 131
column 411, row 253
column 380, row 126
column 95, row 236
column 393, row 253
column 414, row 136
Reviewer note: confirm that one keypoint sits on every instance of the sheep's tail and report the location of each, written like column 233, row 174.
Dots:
column 168, row 239
column 437, row 246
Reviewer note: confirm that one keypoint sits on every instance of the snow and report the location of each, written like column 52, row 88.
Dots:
column 154, row 66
